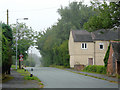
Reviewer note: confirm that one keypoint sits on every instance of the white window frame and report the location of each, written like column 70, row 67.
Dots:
column 101, row 44
column 84, row 45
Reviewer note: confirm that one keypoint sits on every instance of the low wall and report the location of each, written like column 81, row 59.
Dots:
column 79, row 67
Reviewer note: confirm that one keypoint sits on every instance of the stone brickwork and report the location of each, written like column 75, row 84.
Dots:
column 79, row 67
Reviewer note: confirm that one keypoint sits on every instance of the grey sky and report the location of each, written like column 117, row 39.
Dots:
column 41, row 13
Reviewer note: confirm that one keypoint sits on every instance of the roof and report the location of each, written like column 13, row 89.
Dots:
column 106, row 35
column 82, row 36
column 116, row 49
column 103, row 34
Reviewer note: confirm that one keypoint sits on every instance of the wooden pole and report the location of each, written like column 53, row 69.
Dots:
column 7, row 17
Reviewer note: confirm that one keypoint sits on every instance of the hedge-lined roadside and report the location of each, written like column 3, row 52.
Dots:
column 95, row 69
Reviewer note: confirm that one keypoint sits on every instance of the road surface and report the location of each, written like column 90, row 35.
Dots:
column 57, row 78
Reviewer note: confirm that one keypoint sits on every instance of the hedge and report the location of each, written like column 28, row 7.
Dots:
column 106, row 56
column 95, row 68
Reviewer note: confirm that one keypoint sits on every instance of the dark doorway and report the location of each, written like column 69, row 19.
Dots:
column 118, row 67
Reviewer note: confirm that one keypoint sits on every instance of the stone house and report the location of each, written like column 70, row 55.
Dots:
column 113, row 65
column 89, row 48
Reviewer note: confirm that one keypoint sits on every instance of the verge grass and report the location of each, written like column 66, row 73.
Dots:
column 7, row 78
column 26, row 75
column 56, row 66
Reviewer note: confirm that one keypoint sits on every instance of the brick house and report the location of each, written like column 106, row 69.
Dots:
column 113, row 65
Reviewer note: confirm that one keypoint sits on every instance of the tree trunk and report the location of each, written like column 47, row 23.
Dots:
column 9, row 70
column 19, row 65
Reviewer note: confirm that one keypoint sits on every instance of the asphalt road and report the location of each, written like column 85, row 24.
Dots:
column 57, row 78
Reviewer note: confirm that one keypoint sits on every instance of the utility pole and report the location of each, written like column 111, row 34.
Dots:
column 7, row 17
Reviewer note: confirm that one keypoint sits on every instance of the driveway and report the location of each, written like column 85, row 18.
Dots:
column 57, row 78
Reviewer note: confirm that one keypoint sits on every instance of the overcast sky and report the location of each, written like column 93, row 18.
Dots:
column 41, row 13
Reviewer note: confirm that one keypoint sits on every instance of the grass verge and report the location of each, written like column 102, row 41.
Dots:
column 26, row 75
column 7, row 78
column 56, row 66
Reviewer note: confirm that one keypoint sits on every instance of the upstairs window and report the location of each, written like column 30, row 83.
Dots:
column 84, row 46
column 101, row 46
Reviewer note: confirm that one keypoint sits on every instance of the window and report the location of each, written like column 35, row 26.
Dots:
column 84, row 46
column 101, row 45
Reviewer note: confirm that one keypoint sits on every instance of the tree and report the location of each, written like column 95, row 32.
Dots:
column 53, row 43
column 25, row 37
column 107, row 17
column 7, row 40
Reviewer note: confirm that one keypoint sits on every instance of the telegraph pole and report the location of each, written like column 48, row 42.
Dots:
column 7, row 17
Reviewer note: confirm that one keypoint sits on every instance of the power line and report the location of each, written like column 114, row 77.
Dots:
column 34, row 10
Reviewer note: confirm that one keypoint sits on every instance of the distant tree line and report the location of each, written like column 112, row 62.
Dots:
column 53, row 43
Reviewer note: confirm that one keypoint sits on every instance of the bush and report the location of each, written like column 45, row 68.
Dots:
column 95, row 68
column 106, row 56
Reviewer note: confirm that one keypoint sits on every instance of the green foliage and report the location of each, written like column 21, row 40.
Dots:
column 26, row 75
column 30, row 78
column 14, row 66
column 53, row 43
column 107, row 16
column 96, row 69
column 76, row 14
column 62, row 54
column 25, row 36
column 7, row 40
column 106, row 56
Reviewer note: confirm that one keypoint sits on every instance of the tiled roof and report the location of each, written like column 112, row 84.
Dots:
column 82, row 36
column 106, row 34
column 85, row 36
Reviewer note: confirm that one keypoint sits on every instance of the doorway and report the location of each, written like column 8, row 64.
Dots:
column 90, row 61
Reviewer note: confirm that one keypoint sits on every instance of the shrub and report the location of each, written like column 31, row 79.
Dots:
column 106, row 56
column 95, row 68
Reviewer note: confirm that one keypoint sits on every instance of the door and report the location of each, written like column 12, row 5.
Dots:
column 90, row 61
column 118, row 67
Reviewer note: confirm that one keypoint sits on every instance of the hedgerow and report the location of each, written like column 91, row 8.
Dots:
column 95, row 68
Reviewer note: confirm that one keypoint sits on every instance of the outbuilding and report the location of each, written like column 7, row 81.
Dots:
column 113, row 65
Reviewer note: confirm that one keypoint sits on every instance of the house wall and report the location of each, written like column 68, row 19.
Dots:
column 71, row 49
column 79, row 55
column 100, row 53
